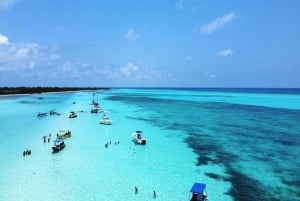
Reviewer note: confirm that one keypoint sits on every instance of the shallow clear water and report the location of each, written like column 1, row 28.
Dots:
column 243, row 145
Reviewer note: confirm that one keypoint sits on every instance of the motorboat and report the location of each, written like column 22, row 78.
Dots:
column 58, row 145
column 95, row 105
column 106, row 120
column 96, row 108
column 53, row 112
column 198, row 192
column 42, row 114
column 63, row 133
column 72, row 114
column 138, row 138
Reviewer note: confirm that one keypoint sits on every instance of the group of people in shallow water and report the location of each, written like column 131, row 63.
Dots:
column 47, row 137
column 109, row 143
column 136, row 191
column 26, row 152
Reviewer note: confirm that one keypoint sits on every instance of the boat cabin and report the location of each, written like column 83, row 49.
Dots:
column 198, row 192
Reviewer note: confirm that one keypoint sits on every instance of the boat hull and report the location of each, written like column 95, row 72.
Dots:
column 106, row 122
column 63, row 136
column 139, row 139
column 58, row 148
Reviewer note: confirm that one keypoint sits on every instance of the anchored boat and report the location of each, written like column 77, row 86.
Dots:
column 106, row 120
column 138, row 138
column 198, row 192
column 63, row 133
column 73, row 114
column 59, row 144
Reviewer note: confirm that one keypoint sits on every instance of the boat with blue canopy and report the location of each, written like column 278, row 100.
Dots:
column 198, row 192
column 59, row 144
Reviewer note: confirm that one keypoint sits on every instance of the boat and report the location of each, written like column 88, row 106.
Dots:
column 53, row 112
column 59, row 144
column 198, row 192
column 72, row 114
column 96, row 108
column 42, row 114
column 106, row 120
column 138, row 138
column 95, row 105
column 63, row 134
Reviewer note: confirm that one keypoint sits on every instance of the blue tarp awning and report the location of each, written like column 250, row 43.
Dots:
column 198, row 188
column 57, row 140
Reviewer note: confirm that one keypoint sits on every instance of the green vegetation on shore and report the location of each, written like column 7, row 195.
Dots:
column 31, row 90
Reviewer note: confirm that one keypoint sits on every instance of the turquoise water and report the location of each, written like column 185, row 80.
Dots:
column 243, row 144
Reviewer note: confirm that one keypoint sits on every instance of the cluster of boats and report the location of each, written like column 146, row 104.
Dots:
column 106, row 120
column 52, row 112
column 198, row 190
column 59, row 143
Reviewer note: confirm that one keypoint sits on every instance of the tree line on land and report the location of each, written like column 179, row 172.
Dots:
column 32, row 90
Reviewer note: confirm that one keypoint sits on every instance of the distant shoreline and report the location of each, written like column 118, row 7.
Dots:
column 5, row 91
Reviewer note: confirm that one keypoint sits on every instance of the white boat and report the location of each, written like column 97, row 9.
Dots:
column 96, row 108
column 64, row 133
column 106, row 120
column 138, row 137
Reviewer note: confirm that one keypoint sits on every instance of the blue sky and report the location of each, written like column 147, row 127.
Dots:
column 158, row 43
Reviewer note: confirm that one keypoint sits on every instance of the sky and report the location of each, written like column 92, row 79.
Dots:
column 157, row 43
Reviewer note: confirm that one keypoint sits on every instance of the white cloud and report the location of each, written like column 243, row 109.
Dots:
column 225, row 53
column 34, row 63
column 21, row 56
column 132, row 35
column 70, row 70
column 3, row 39
column 210, row 75
column 215, row 24
column 129, row 70
column 131, row 74
column 5, row 4
column 179, row 4
column 188, row 58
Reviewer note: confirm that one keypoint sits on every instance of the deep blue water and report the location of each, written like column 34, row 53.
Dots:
column 256, row 144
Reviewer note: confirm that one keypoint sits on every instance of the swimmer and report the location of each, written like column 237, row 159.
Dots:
column 45, row 138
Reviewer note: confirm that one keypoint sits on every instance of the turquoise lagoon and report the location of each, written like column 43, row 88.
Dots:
column 244, row 144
